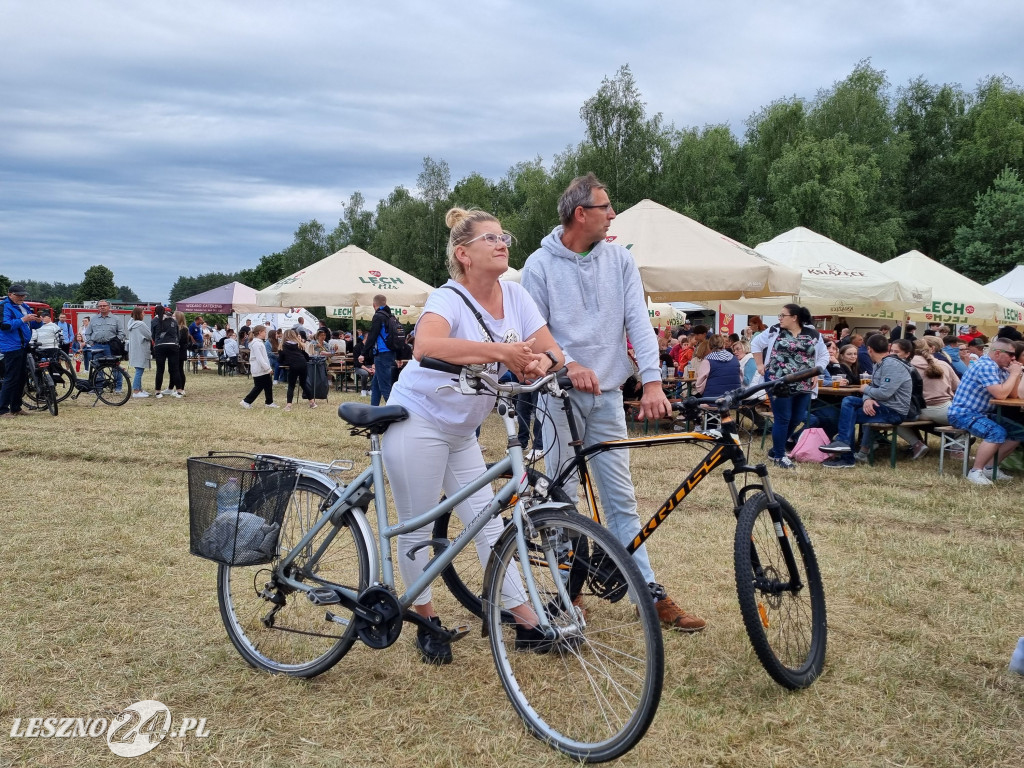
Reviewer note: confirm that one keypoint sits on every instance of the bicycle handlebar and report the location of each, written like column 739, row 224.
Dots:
column 730, row 400
column 473, row 378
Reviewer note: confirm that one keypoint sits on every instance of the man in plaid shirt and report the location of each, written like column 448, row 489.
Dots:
column 993, row 376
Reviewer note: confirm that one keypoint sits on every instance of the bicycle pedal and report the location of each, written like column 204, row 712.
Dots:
column 458, row 632
column 323, row 596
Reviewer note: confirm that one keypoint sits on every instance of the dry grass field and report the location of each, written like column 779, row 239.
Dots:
column 104, row 606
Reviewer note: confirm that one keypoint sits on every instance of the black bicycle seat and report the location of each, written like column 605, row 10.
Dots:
column 374, row 417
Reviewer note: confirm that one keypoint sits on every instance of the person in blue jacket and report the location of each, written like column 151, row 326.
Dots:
column 16, row 325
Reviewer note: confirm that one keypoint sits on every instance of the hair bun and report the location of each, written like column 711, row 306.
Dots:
column 454, row 216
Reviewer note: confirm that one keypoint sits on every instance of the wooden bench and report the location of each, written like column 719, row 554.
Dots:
column 879, row 426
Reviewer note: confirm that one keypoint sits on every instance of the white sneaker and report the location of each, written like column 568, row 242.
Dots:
column 1001, row 476
column 535, row 455
column 271, row 405
column 159, row 395
column 245, row 405
column 179, row 395
column 167, row 391
column 977, row 477
column 140, row 394
column 365, row 393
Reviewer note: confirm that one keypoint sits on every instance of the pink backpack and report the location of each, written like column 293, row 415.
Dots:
column 806, row 448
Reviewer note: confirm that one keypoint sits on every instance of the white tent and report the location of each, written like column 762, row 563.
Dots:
column 955, row 298
column 345, row 283
column 682, row 260
column 1010, row 285
column 836, row 280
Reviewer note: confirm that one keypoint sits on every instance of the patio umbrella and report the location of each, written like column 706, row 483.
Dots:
column 1010, row 285
column 682, row 260
column 345, row 283
column 836, row 280
column 955, row 298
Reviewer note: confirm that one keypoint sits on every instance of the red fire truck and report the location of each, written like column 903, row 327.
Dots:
column 76, row 313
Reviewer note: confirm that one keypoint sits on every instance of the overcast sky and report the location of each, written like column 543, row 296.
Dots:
column 163, row 139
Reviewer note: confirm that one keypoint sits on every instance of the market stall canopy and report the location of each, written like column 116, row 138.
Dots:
column 665, row 314
column 345, row 283
column 1010, row 285
column 225, row 300
column 682, row 260
column 836, row 280
column 955, row 298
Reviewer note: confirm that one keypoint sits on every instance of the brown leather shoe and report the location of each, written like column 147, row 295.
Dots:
column 675, row 618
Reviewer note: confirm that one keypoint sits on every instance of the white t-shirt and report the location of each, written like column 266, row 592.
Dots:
column 450, row 411
column 47, row 335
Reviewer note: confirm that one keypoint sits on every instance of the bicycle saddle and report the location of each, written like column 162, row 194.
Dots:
column 374, row 417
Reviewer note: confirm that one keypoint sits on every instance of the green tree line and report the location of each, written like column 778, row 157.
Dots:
column 880, row 169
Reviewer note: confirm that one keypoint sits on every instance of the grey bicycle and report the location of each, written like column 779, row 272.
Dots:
column 590, row 690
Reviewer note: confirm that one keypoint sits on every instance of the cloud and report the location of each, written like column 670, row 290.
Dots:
column 168, row 139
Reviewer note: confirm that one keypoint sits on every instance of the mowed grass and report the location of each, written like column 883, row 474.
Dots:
column 104, row 606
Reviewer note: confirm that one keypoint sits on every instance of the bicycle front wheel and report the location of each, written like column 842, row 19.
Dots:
column 592, row 690
column 277, row 629
column 49, row 392
column 780, row 591
column 107, row 382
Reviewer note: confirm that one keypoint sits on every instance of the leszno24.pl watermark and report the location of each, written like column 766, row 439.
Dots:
column 139, row 728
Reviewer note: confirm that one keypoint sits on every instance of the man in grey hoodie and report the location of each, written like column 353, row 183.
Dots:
column 589, row 292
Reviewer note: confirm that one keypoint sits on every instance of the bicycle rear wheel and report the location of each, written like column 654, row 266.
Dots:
column 593, row 690
column 780, row 592
column 465, row 576
column 106, row 383
column 279, row 630
column 33, row 398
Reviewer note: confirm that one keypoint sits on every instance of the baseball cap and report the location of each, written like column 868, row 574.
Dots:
column 17, row 289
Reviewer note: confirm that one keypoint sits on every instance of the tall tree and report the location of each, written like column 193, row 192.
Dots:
column 97, row 284
column 701, row 177
column 355, row 227
column 929, row 117
column 127, row 295
column 994, row 242
column 622, row 146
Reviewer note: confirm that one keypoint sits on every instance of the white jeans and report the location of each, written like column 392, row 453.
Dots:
column 420, row 461
column 598, row 419
column 936, row 413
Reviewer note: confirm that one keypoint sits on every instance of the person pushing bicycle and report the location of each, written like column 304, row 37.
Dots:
column 575, row 273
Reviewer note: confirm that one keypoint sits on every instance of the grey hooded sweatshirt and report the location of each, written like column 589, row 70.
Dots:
column 591, row 303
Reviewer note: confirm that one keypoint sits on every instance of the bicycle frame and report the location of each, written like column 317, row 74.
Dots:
column 725, row 447
column 370, row 483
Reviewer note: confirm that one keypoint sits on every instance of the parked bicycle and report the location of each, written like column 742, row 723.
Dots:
column 297, row 585
column 62, row 374
column 778, row 582
column 40, row 391
column 105, row 375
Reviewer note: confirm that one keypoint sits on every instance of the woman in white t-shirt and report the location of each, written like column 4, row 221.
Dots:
column 436, row 447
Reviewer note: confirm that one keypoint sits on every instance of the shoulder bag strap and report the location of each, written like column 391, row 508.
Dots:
column 479, row 317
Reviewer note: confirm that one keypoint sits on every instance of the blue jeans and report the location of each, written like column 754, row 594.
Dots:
column 103, row 350
column 526, row 404
column 14, row 381
column 787, row 413
column 851, row 413
column 383, row 363
column 598, row 418
column 137, row 381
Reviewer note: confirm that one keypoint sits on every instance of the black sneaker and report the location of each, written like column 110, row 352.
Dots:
column 836, row 446
column 837, row 462
column 432, row 649
column 531, row 639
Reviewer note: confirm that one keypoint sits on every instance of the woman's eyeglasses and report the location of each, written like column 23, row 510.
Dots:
column 492, row 239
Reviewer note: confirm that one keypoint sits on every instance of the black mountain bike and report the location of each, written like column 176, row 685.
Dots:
column 778, row 583
column 40, row 391
column 105, row 374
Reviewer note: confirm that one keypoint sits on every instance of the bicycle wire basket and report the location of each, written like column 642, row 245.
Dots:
column 236, row 504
